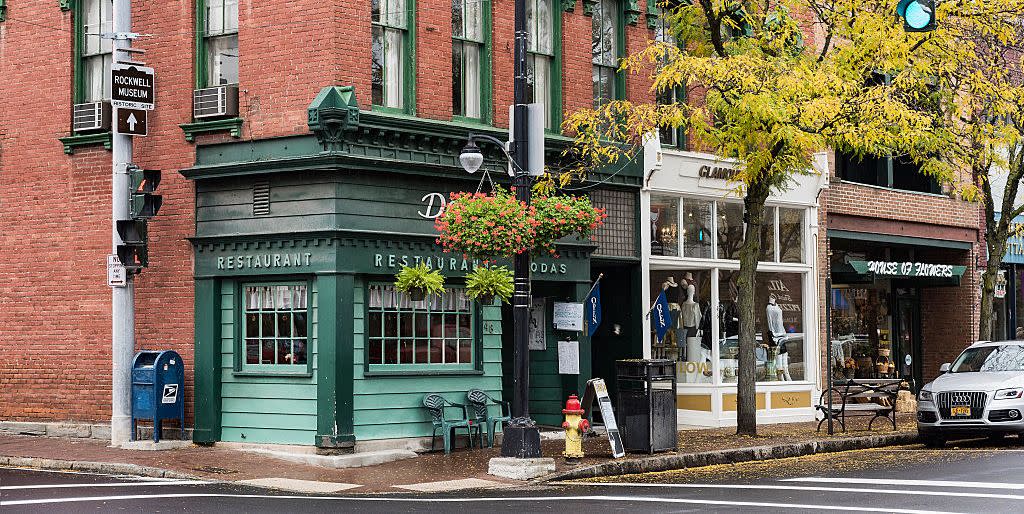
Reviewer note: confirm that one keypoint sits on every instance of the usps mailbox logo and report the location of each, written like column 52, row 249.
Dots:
column 170, row 393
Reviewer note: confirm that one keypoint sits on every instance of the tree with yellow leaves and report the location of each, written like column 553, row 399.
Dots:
column 775, row 90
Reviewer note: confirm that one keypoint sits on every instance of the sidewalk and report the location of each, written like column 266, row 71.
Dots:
column 467, row 467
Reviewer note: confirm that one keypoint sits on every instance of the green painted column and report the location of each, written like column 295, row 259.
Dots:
column 207, row 361
column 334, row 361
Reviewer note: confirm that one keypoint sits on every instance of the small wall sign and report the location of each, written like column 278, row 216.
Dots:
column 538, row 325
column 568, row 357
column 568, row 316
column 170, row 393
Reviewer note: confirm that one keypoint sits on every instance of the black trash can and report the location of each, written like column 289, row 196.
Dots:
column 647, row 404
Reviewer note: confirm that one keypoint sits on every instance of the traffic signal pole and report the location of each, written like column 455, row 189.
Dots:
column 123, row 298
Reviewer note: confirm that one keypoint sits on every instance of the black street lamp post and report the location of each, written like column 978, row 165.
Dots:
column 521, row 439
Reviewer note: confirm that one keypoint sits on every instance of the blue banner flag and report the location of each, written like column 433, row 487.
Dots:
column 593, row 310
column 661, row 317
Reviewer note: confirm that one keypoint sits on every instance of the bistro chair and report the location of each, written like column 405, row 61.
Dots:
column 480, row 402
column 448, row 416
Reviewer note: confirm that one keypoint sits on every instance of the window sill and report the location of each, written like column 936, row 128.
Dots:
column 887, row 188
column 233, row 125
column 279, row 374
column 431, row 372
column 82, row 140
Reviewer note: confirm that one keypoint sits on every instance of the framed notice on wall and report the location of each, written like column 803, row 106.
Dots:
column 568, row 316
column 538, row 325
column 568, row 357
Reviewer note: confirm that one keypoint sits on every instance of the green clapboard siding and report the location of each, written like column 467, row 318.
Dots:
column 265, row 409
column 389, row 407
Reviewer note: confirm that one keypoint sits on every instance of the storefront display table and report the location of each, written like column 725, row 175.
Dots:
column 860, row 397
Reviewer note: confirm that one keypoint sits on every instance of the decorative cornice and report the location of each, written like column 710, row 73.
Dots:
column 80, row 140
column 568, row 5
column 588, row 7
column 3, row 10
column 331, row 114
column 232, row 125
column 66, row 5
column 631, row 10
column 652, row 14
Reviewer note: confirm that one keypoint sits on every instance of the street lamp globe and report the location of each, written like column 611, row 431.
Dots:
column 471, row 158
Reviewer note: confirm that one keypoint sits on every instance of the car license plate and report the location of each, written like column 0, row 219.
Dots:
column 960, row 410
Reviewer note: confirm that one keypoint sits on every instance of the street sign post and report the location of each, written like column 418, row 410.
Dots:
column 131, row 122
column 117, row 276
column 131, row 86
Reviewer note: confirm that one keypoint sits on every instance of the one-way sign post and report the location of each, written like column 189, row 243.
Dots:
column 131, row 86
column 131, row 122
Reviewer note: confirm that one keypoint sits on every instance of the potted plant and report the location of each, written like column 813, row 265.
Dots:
column 484, row 283
column 418, row 281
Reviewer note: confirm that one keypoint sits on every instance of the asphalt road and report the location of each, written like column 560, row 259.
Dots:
column 971, row 477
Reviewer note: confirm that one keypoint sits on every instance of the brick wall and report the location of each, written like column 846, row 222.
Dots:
column 55, row 321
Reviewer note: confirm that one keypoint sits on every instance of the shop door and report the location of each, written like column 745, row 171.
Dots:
column 908, row 340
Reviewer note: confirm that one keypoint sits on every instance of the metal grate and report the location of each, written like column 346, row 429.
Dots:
column 261, row 198
column 617, row 237
column 973, row 399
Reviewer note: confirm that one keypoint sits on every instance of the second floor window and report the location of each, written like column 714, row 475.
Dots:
column 389, row 19
column 221, row 42
column 605, row 50
column 670, row 136
column 97, row 16
column 540, row 57
column 468, row 57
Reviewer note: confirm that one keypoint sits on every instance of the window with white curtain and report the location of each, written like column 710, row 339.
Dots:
column 97, row 53
column 540, row 55
column 468, row 55
column 605, row 50
column 670, row 136
column 390, row 30
column 220, row 42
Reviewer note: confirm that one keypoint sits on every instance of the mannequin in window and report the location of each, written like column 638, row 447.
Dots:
column 778, row 332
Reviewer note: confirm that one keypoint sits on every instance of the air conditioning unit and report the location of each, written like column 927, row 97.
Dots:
column 214, row 102
column 91, row 116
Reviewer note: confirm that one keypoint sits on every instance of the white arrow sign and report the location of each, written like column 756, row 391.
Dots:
column 132, row 121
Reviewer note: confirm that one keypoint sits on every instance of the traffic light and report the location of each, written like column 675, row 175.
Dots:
column 132, row 251
column 918, row 15
column 142, row 203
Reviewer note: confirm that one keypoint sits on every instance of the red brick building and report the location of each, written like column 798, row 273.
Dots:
column 397, row 55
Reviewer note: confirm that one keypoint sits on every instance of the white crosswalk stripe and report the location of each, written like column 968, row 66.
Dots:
column 909, row 483
column 906, row 492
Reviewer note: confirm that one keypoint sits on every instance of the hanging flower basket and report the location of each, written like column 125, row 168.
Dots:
column 484, row 283
column 418, row 281
column 561, row 216
column 485, row 226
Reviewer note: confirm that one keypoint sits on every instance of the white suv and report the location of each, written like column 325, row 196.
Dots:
column 981, row 393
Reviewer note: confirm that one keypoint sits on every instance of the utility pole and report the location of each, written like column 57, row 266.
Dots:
column 522, row 438
column 123, row 298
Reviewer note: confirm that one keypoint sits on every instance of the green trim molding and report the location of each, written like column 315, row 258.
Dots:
column 3, row 10
column 331, row 113
column 631, row 10
column 588, row 7
column 899, row 240
column 78, row 141
column 232, row 125
column 568, row 5
column 652, row 14
column 334, row 423
column 207, row 361
column 65, row 5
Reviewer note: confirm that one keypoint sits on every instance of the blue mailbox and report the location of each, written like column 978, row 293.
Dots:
column 158, row 389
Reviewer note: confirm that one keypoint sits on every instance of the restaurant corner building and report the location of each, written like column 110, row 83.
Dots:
column 300, row 335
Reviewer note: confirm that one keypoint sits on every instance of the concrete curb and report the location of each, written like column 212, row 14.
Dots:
column 733, row 456
column 114, row 468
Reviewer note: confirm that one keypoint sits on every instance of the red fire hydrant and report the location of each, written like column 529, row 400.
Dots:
column 574, row 426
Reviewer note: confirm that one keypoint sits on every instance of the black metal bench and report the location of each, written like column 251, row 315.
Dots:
column 860, row 397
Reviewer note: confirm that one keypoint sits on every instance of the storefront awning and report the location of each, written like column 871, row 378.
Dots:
column 924, row 274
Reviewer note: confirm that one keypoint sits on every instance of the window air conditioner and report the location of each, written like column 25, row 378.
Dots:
column 215, row 101
column 91, row 116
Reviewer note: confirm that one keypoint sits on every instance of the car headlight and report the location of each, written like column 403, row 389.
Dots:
column 924, row 395
column 1009, row 394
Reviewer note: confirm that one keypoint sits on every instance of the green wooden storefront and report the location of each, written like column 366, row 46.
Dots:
column 297, row 240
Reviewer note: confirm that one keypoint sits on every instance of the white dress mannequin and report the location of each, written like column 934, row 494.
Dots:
column 690, row 318
column 774, row 314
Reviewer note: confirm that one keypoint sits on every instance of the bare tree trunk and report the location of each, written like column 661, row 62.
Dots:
column 996, row 246
column 746, row 392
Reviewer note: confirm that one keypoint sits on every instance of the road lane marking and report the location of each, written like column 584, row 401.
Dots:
column 804, row 488
column 561, row 499
column 115, row 484
column 894, row 481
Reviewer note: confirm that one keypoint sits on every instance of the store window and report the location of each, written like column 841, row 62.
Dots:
column 791, row 235
column 861, row 342
column 697, row 223
column 276, row 328
column 730, row 230
column 437, row 332
column 688, row 339
column 768, row 235
column 664, row 225
column 779, row 326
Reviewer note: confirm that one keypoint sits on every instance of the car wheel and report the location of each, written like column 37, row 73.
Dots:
column 934, row 441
